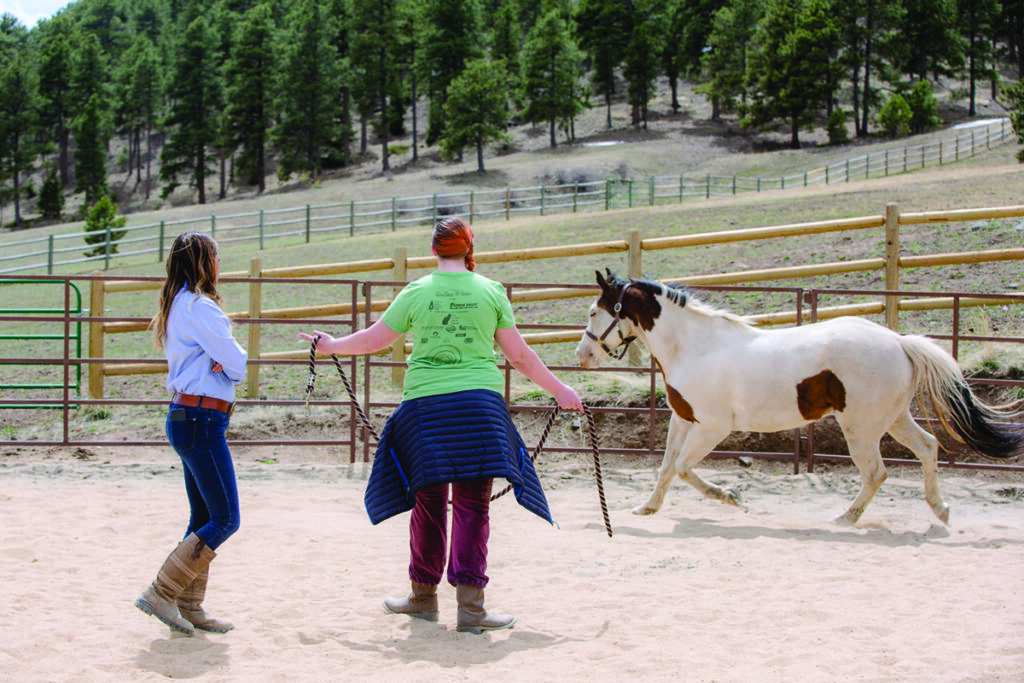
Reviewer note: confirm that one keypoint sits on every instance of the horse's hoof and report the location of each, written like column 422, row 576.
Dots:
column 733, row 498
column 846, row 519
column 943, row 514
column 644, row 510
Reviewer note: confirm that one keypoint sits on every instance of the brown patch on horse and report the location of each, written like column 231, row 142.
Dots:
column 680, row 406
column 819, row 395
column 639, row 305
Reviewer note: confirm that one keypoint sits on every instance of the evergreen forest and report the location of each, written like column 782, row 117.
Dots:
column 209, row 94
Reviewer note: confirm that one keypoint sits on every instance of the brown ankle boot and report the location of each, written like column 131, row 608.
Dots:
column 190, row 604
column 178, row 571
column 421, row 603
column 473, row 618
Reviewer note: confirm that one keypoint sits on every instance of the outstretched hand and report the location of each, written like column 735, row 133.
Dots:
column 323, row 340
column 568, row 399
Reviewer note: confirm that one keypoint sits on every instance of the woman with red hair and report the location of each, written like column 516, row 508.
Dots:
column 452, row 428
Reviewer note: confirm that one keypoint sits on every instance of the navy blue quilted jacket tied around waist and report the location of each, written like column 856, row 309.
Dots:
column 450, row 438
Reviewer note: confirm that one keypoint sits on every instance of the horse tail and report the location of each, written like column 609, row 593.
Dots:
column 962, row 415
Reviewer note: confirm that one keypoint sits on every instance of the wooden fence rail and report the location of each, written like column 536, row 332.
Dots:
column 633, row 246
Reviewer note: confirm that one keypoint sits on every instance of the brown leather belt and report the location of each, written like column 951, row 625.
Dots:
column 203, row 402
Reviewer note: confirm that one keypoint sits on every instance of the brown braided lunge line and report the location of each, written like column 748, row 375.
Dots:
column 591, row 429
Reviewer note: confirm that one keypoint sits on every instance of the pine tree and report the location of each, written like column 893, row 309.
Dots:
column 51, row 196
column 308, row 87
column 195, row 91
column 604, row 28
column 376, row 45
column 17, row 121
column 790, row 74
column 250, row 75
column 641, row 69
column 103, row 227
column 551, row 66
column 452, row 39
column 978, row 26
column 506, row 49
column 91, row 125
column 55, row 90
column 725, row 62
column 91, row 130
column 475, row 110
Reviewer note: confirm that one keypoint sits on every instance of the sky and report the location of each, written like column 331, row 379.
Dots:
column 31, row 11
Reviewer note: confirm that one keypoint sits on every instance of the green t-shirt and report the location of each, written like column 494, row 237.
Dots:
column 452, row 317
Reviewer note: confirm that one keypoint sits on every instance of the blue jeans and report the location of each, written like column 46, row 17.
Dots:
column 198, row 436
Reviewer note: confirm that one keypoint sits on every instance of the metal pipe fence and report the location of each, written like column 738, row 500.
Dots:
column 806, row 303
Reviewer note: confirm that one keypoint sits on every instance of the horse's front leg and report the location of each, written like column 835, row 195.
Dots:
column 687, row 445
column 699, row 442
column 677, row 430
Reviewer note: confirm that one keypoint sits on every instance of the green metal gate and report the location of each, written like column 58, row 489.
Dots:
column 74, row 339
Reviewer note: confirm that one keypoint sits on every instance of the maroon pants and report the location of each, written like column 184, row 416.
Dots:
column 471, row 527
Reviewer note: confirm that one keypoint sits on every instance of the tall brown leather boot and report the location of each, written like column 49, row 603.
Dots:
column 190, row 604
column 421, row 603
column 473, row 618
column 178, row 571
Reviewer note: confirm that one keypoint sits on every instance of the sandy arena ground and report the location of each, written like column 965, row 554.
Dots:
column 700, row 592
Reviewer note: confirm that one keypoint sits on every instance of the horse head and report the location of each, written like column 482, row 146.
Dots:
column 623, row 311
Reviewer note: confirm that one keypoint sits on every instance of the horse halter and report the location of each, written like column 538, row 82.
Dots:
column 618, row 352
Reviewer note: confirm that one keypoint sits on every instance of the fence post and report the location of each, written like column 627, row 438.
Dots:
column 654, row 189
column 213, row 225
column 433, row 210
column 399, row 274
column 607, row 194
column 261, row 229
column 96, row 291
column 508, row 203
column 106, row 249
column 734, row 184
column 394, row 210
column 826, row 174
column 885, row 161
column 471, row 207
column 160, row 247
column 49, row 255
column 682, row 182
column 255, row 311
column 307, row 223
column 940, row 152
column 635, row 271
column 629, row 194
column 867, row 166
column 892, row 264
column 351, row 217
column 707, row 186
column 542, row 199
column 575, row 195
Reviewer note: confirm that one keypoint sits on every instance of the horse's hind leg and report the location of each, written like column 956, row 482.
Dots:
column 868, row 459
column 926, row 448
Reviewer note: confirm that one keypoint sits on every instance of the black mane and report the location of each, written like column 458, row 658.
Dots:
column 677, row 293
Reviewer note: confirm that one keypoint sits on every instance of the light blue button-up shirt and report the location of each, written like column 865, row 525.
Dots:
column 198, row 337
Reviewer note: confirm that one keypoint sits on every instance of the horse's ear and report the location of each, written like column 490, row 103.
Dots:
column 600, row 281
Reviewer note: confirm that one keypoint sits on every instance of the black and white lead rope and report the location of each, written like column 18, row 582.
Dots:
column 591, row 429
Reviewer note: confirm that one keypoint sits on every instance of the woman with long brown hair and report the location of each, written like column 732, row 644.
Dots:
column 204, row 362
column 453, row 427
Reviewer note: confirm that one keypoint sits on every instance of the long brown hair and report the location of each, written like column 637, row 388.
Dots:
column 191, row 264
column 453, row 238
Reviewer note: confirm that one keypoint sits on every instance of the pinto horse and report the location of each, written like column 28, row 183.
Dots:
column 723, row 374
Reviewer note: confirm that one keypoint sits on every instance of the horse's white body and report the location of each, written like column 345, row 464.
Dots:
column 722, row 374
